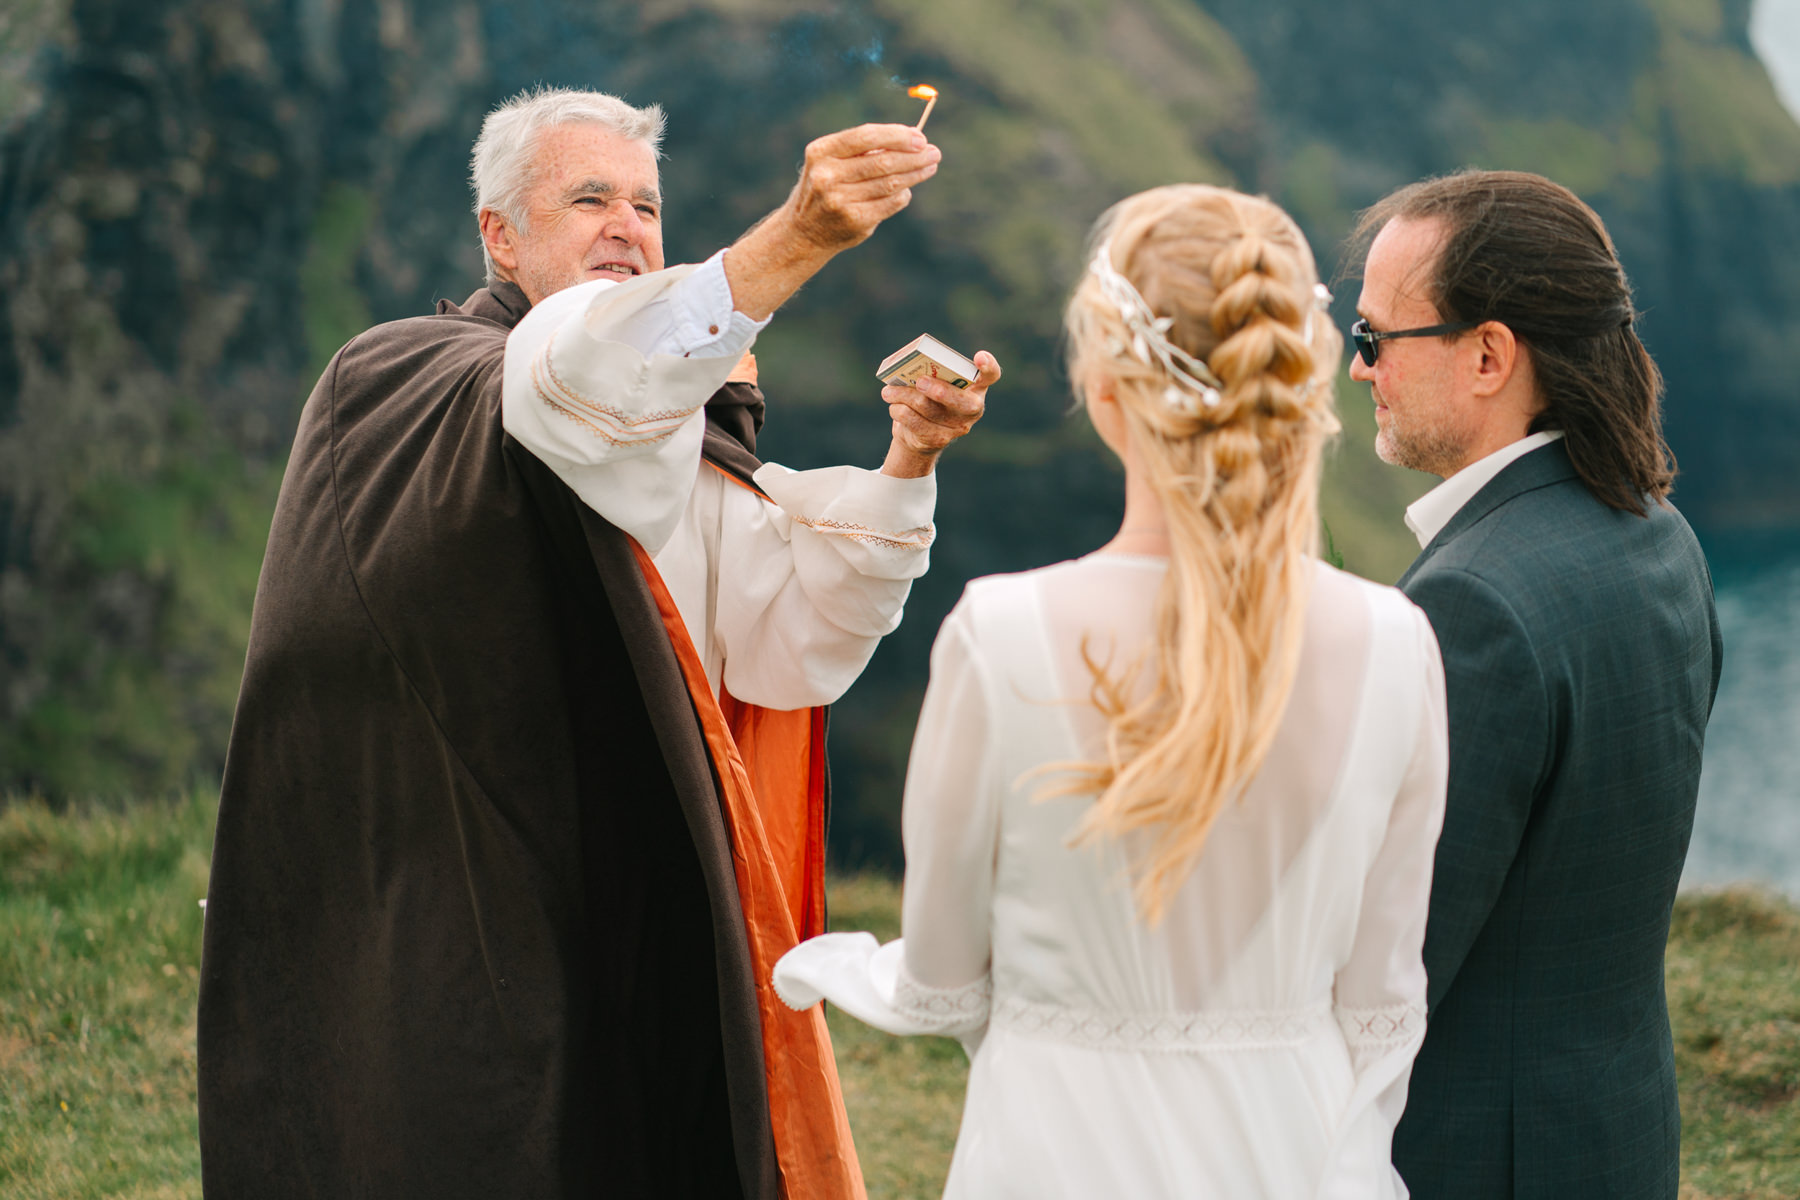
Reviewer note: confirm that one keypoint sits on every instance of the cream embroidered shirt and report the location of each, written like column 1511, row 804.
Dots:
column 606, row 382
column 1428, row 515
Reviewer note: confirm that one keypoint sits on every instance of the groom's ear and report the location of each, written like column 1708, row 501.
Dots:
column 1501, row 357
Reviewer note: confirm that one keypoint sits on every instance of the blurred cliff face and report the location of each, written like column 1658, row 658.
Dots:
column 203, row 199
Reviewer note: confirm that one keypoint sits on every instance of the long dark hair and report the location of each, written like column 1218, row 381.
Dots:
column 1529, row 254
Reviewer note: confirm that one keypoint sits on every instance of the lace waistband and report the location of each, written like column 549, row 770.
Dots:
column 1223, row 1029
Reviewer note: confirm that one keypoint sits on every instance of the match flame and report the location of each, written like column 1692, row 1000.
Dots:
column 921, row 91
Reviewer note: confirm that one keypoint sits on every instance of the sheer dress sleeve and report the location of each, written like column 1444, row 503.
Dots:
column 1380, row 990
column 935, row 978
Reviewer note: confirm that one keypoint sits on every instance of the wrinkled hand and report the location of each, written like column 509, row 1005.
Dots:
column 930, row 414
column 854, row 180
column 850, row 183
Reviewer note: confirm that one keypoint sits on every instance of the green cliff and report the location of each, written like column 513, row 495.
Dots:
column 202, row 199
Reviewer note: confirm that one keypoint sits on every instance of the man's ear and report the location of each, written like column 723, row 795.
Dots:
column 1499, row 351
column 497, row 236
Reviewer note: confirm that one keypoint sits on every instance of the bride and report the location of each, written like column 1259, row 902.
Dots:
column 1171, row 808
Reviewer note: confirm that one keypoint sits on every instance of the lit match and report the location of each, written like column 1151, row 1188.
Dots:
column 927, row 93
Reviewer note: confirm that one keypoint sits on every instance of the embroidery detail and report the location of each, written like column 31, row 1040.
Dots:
column 1224, row 1029
column 1381, row 1028
column 943, row 1010
column 613, row 425
column 906, row 539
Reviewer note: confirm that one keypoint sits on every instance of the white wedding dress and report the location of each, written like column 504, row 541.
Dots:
column 1255, row 1044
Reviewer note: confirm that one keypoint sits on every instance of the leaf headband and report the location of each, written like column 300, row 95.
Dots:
column 1196, row 387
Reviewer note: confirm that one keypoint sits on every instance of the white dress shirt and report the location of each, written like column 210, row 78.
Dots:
column 1428, row 515
column 607, row 382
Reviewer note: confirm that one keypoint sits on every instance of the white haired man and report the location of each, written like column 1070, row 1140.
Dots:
column 526, row 787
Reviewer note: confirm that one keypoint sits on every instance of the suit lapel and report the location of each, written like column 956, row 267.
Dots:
column 1541, row 468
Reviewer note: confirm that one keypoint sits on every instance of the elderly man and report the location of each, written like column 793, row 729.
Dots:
column 1581, row 655
column 526, row 787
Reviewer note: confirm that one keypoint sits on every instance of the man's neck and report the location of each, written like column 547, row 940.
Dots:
column 1491, row 441
column 1428, row 515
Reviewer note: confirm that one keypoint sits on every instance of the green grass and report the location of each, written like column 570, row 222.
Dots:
column 904, row 1094
column 99, row 967
column 100, row 945
column 1734, row 999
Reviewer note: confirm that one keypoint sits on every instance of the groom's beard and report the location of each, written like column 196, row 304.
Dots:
column 1420, row 444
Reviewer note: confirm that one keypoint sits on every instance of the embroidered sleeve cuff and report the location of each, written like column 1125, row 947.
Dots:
column 1374, row 1032
column 949, row 1011
column 706, row 325
column 858, row 507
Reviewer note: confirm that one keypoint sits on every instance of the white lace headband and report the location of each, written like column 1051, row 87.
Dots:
column 1196, row 386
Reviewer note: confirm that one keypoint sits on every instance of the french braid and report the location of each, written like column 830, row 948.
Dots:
column 1239, row 484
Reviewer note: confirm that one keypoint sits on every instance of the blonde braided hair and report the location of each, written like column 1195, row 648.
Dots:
column 1232, row 284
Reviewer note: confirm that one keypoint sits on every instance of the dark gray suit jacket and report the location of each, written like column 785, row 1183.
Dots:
column 1581, row 654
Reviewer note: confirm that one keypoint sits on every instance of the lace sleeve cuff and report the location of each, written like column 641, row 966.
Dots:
column 943, row 1010
column 1373, row 1033
column 871, row 983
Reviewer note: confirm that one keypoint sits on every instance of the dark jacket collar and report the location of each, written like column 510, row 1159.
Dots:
column 501, row 302
column 1539, row 468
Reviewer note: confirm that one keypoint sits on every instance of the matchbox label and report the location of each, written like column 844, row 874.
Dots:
column 917, row 366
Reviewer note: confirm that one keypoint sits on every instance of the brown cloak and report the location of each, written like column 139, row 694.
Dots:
column 472, row 928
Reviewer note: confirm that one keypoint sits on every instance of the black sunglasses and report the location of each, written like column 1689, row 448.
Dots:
column 1368, row 341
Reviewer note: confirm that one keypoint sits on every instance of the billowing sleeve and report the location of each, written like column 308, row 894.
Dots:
column 935, row 978
column 606, row 383
column 816, row 579
column 1380, row 989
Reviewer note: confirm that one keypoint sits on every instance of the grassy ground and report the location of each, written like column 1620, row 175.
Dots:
column 99, row 966
column 904, row 1094
column 1734, row 999
column 100, row 941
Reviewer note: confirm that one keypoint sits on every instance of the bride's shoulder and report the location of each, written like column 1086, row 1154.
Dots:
column 1400, row 630
column 1012, row 584
column 1341, row 592
column 1000, row 608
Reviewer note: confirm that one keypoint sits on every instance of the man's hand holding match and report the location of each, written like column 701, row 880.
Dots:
column 845, row 190
column 930, row 414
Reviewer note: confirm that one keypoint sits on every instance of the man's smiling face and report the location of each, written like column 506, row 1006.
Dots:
column 594, row 211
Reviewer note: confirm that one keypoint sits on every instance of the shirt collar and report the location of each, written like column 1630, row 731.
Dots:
column 1428, row 515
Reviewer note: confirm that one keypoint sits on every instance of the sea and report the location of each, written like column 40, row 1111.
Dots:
column 1775, row 33
column 1748, row 824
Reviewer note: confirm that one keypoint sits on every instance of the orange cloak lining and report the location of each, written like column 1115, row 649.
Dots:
column 771, row 774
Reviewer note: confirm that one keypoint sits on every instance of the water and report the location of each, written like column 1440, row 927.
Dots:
column 1775, row 32
column 1748, row 826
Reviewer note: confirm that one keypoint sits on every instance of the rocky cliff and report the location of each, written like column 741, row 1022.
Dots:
column 201, row 199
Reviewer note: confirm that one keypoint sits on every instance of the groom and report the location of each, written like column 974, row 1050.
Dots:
column 1581, row 655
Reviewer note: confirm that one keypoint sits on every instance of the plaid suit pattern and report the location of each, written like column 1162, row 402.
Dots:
column 1581, row 656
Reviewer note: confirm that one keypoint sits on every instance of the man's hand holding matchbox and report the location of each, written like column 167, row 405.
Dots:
column 934, row 395
column 849, row 184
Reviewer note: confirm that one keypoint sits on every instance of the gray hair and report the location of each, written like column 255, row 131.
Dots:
column 504, row 165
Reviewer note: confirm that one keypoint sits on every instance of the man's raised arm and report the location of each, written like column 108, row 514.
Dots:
column 851, row 182
column 606, row 382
